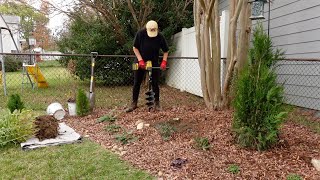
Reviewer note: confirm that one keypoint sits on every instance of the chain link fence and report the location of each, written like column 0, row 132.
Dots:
column 41, row 80
column 301, row 81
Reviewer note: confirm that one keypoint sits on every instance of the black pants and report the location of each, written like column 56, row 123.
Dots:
column 138, row 77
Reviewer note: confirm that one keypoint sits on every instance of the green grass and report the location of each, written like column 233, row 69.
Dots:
column 313, row 125
column 85, row 160
column 297, row 118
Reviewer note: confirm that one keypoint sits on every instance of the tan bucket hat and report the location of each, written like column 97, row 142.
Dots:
column 152, row 28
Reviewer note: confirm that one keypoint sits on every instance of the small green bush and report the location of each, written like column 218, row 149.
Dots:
column 15, row 103
column 16, row 127
column 234, row 169
column 12, row 64
column 202, row 143
column 82, row 103
column 258, row 103
column 294, row 177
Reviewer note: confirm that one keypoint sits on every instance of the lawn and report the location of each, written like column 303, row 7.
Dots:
column 85, row 160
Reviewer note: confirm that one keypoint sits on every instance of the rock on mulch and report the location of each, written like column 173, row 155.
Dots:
column 293, row 155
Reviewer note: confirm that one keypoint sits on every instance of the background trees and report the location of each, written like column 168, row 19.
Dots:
column 33, row 22
column 109, row 27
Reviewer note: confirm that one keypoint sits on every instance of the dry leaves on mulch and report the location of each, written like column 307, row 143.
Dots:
column 150, row 152
column 297, row 146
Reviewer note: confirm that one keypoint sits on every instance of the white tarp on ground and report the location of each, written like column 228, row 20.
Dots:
column 66, row 136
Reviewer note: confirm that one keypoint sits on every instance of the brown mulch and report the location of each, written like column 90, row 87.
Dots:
column 297, row 146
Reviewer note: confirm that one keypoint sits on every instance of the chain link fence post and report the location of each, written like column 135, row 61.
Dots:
column 3, row 71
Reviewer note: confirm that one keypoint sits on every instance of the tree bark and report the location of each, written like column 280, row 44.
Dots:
column 243, row 41
column 199, row 41
column 233, row 53
column 207, row 25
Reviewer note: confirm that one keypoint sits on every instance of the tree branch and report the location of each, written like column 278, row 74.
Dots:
column 133, row 13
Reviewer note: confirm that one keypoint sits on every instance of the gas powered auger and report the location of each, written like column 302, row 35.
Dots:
column 150, row 94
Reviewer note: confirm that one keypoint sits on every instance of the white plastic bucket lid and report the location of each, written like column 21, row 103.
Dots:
column 56, row 110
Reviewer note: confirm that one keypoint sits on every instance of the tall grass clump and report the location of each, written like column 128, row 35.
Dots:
column 16, row 127
column 258, row 98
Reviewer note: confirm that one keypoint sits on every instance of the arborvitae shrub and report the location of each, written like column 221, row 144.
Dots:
column 82, row 103
column 15, row 103
column 258, row 98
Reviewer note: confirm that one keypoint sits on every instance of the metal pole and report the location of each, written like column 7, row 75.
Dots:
column 269, row 19
column 92, row 81
column 14, row 42
column 3, row 67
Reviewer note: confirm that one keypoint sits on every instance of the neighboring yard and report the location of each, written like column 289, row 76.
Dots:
column 62, row 85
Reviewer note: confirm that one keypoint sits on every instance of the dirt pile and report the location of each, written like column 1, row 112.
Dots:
column 47, row 127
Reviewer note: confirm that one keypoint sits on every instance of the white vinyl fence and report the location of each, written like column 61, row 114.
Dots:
column 184, row 74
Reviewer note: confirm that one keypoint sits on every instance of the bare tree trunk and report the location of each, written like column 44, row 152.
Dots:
column 232, row 4
column 200, row 49
column 243, row 40
column 208, row 62
column 217, row 59
column 207, row 22
column 233, row 52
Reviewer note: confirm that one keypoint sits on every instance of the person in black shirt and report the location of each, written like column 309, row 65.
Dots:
column 146, row 47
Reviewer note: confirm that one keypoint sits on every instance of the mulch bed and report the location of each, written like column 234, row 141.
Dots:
column 298, row 145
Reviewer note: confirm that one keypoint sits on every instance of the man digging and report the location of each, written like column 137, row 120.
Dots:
column 147, row 44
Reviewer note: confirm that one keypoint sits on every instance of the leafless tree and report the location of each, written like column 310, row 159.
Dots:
column 207, row 24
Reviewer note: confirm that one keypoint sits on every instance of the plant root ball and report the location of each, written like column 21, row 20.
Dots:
column 46, row 127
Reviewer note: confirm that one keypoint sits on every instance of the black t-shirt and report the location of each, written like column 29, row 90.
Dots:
column 149, row 47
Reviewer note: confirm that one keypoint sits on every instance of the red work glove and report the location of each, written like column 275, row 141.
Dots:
column 163, row 65
column 142, row 64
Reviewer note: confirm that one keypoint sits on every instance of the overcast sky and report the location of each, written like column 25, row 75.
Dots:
column 56, row 18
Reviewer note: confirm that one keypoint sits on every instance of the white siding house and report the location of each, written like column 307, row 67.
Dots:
column 12, row 23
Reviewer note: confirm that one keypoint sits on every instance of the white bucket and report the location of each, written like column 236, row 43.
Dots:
column 56, row 110
column 72, row 108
